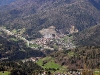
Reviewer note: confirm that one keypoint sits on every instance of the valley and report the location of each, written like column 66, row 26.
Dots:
column 49, row 37
column 44, row 42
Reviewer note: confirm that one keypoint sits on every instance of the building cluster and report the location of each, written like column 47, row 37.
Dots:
column 49, row 34
column 43, row 41
column 33, row 59
column 67, row 73
column 70, row 73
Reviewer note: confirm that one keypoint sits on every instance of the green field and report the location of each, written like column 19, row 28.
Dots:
column 50, row 63
column 4, row 73
column 34, row 45
column 0, row 33
column 19, row 31
column 97, row 72
column 14, row 39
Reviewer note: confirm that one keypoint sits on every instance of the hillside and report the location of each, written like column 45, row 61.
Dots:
column 34, row 15
column 86, row 57
column 6, row 2
column 66, row 31
column 12, row 48
column 88, row 37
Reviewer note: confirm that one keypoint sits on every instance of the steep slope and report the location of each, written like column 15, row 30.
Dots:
column 11, row 49
column 33, row 15
column 79, row 58
column 5, row 2
column 88, row 37
column 96, row 3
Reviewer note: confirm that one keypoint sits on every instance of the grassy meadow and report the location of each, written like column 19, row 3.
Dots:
column 4, row 73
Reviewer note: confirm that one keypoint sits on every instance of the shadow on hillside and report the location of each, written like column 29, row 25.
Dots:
column 95, row 4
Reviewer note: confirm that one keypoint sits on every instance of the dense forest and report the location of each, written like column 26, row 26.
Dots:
column 5, row 2
column 42, row 14
column 17, row 50
column 20, row 68
column 78, row 57
column 88, row 37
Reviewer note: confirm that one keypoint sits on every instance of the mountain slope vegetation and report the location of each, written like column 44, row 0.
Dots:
column 16, row 50
column 5, row 2
column 35, row 15
column 88, row 37
column 79, row 58
column 27, row 17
